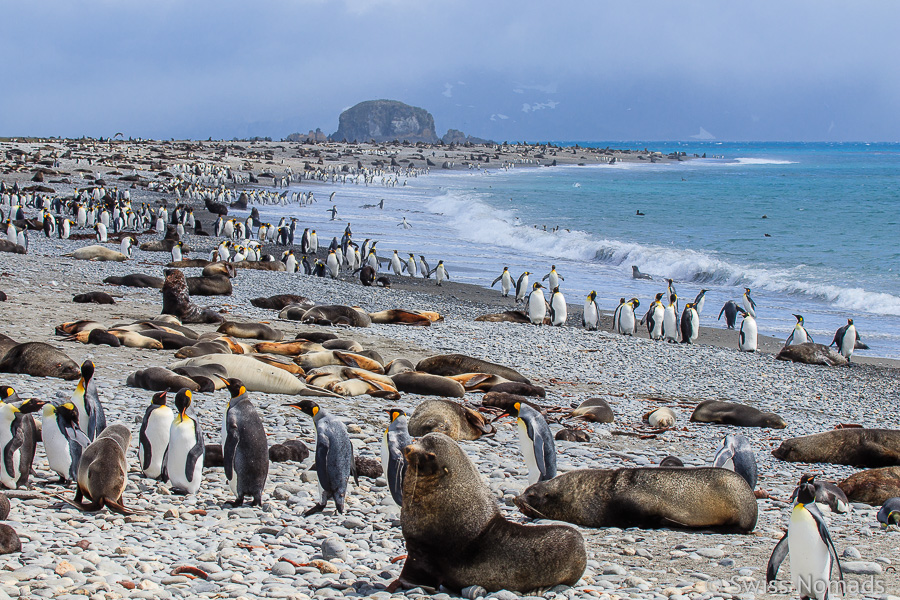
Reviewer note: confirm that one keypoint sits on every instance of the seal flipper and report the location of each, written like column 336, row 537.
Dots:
column 778, row 555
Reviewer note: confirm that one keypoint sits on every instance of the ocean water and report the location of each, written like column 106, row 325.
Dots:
column 831, row 212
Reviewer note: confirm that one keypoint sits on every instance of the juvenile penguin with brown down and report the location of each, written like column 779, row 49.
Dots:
column 456, row 536
column 103, row 470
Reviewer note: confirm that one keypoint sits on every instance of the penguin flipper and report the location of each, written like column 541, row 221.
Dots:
column 778, row 555
column 230, row 448
column 18, row 439
column 353, row 470
column 144, row 441
column 723, row 456
column 195, row 453
column 722, row 311
column 809, row 337
column 395, row 472
column 790, row 339
column 496, row 280
column 826, row 537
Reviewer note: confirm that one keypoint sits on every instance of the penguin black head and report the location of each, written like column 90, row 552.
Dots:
column 849, row 322
column 747, row 290
column 183, row 400
column 593, row 296
column 87, row 370
column 506, row 268
column 659, row 297
column 537, row 285
column 8, row 395
column 394, row 413
column 673, row 298
column 31, row 405
column 306, row 406
column 68, row 411
column 234, row 386
column 159, row 398
column 556, row 290
column 636, row 302
column 806, row 494
column 799, row 318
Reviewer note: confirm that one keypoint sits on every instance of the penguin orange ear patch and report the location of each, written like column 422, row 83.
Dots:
column 243, row 390
column 187, row 393
column 315, row 410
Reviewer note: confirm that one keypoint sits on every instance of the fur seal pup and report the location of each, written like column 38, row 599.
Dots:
column 289, row 451
column 456, row 536
column 212, row 285
column 346, row 345
column 319, row 337
column 256, row 331
column 812, row 354
column 572, row 435
column 98, row 253
column 280, row 301
column 336, row 314
column 138, row 280
column 661, row 417
column 450, row 418
column 733, row 413
column 594, row 410
column 177, row 301
column 426, row 384
column 647, row 497
column 160, row 379
column 94, row 297
column 458, row 364
column 854, row 447
column 39, row 360
column 872, row 486
column 103, row 470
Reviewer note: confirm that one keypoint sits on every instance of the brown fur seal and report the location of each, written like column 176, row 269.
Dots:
column 456, row 536
column 213, row 456
column 661, row 417
column 204, row 348
column 9, row 539
column 4, row 506
column 457, row 364
column 450, row 418
column 405, row 317
column 208, row 377
column 169, row 340
column 316, row 336
column 482, row 382
column 77, row 327
column 177, row 301
column 157, row 379
column 260, row 265
column 213, row 285
column 855, row 447
column 138, row 280
column 595, row 410
column 219, row 269
column 572, row 435
column 397, row 366
column 164, row 245
column 509, row 316
column 279, row 301
column 103, row 470
column 39, row 360
column 732, row 413
column 7, row 246
column 649, row 497
column 188, row 263
column 95, row 297
column 520, row 389
column 671, row 461
column 256, row 331
column 811, row 354
column 414, row 382
column 288, row 451
column 293, row 348
column 95, row 336
column 346, row 345
column 506, row 401
column 336, row 314
column 6, row 344
column 872, row 486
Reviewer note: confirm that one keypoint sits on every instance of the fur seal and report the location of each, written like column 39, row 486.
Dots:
column 212, row 285
column 456, row 536
column 395, row 367
column 257, row 376
column 292, row 348
column 163, row 245
column 177, row 301
column 346, row 345
column 220, row 269
column 208, row 377
column 733, row 413
column 594, row 410
column 279, row 301
column 509, row 316
column 204, row 348
column 289, row 451
column 458, row 364
column 256, row 331
column 188, row 263
column 812, row 354
column 138, row 280
column 95, row 297
column 647, row 497
column 4, row 506
column 398, row 316
column 9, row 539
column 482, row 382
column 77, row 327
column 520, row 389
column 39, row 360
column 855, row 447
column 872, row 486
column 316, row 336
column 572, row 435
column 103, row 470
column 213, row 456
column 157, row 379
column 336, row 314
column 671, row 461
column 169, row 340
column 450, row 418
column 505, row 401
column 661, row 417
column 7, row 246
column 98, row 253
column 414, row 382
column 6, row 344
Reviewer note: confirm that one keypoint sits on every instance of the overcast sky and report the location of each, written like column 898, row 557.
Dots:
column 535, row 70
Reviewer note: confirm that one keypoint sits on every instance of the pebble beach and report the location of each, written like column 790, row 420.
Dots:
column 274, row 552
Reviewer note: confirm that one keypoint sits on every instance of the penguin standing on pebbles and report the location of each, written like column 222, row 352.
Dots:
column 244, row 445
column 522, row 286
column 184, row 457
column 590, row 318
column 799, row 335
column 537, row 304
column 505, row 280
column 440, row 272
column 18, row 439
column 536, row 442
column 91, row 418
column 845, row 339
column 63, row 439
column 813, row 554
column 396, row 438
column 748, row 338
column 334, row 460
column 654, row 318
column 153, row 438
column 690, row 324
column 558, row 309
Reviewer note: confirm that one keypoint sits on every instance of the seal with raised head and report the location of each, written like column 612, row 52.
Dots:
column 103, row 470
column 456, row 536
column 594, row 410
column 855, row 447
column 450, row 418
column 733, row 413
column 177, row 301
column 39, row 360
column 648, row 497
column 458, row 364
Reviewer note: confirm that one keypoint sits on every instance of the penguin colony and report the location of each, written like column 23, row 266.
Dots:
column 171, row 442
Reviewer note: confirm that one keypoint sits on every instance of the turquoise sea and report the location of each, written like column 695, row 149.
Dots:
column 831, row 212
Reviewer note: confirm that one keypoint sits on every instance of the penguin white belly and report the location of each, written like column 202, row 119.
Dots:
column 527, row 447
column 656, row 330
column 57, row 448
column 591, row 318
column 554, row 281
column 506, row 285
column 181, row 441
column 669, row 323
column 749, row 335
column 626, row 322
column 10, row 480
column 158, row 427
column 848, row 344
column 799, row 336
column 537, row 308
column 810, row 560
column 560, row 310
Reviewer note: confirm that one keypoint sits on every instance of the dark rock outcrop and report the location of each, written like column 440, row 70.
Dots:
column 385, row 121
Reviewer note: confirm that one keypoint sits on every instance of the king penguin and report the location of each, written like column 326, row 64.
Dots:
column 153, row 438
column 396, row 438
column 554, row 278
column 735, row 454
column 590, row 318
column 558, row 309
column 670, row 320
column 505, row 280
column 440, row 272
column 699, row 301
column 747, row 340
column 654, row 318
column 690, row 324
column 91, row 418
column 334, row 460
column 244, row 445
column 625, row 321
column 749, row 304
column 537, row 304
column 812, row 552
column 845, row 339
column 18, row 439
column 889, row 514
column 63, row 439
column 536, row 442
column 522, row 286
column 799, row 335
column 184, row 457
column 730, row 310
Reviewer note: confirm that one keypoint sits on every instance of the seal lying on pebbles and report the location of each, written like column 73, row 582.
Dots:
column 405, row 317
column 177, row 301
column 103, row 470
column 456, row 537
column 335, row 314
column 138, row 280
column 157, row 379
column 458, row 364
column 39, row 360
column 97, row 252
column 214, row 285
column 426, row 384
column 572, row 435
column 279, row 301
column 732, row 413
column 509, row 316
column 95, row 297
column 661, row 417
column 594, row 410
column 256, row 375
column 872, row 486
column 855, row 447
column 450, row 418
column 703, row 498
column 256, row 331
column 812, row 354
